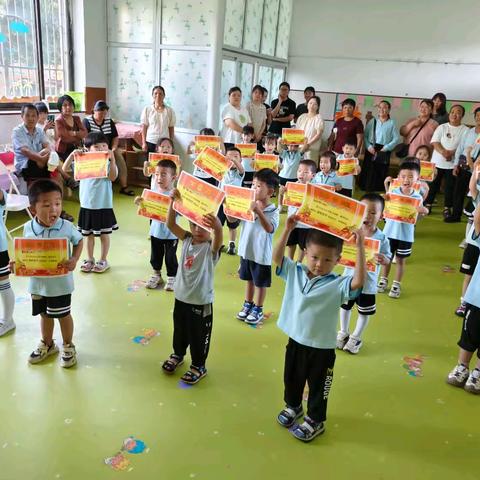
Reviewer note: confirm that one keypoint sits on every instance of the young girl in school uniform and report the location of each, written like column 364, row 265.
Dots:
column 164, row 145
column 96, row 217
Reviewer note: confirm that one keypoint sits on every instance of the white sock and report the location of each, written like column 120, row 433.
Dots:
column 8, row 300
column 361, row 325
column 345, row 320
column 467, row 228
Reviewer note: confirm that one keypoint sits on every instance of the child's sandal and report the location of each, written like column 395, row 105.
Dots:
column 194, row 375
column 170, row 365
column 87, row 266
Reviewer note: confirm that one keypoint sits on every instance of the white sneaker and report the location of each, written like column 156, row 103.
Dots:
column 395, row 291
column 42, row 352
column 69, row 356
column 6, row 327
column 463, row 244
column 170, row 284
column 458, row 376
column 472, row 384
column 382, row 285
column 353, row 345
column 342, row 339
column 154, row 281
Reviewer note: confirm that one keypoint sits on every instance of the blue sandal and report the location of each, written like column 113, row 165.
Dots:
column 194, row 375
column 308, row 430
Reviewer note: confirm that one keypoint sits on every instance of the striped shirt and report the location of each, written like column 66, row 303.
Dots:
column 107, row 127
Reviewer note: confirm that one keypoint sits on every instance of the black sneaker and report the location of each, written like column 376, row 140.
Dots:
column 231, row 249
column 452, row 219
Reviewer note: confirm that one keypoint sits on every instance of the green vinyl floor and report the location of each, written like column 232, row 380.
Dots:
column 383, row 423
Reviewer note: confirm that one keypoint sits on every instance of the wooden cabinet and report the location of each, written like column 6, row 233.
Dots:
column 134, row 160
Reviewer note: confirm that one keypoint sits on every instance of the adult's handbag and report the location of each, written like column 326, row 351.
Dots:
column 402, row 148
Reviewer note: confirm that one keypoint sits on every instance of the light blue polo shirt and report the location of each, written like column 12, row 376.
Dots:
column 370, row 286
column 3, row 231
column 472, row 295
column 399, row 230
column 55, row 286
column 232, row 177
column 96, row 193
column 309, row 313
column 159, row 229
column 255, row 243
column 347, row 180
column 22, row 138
column 331, row 178
column 290, row 161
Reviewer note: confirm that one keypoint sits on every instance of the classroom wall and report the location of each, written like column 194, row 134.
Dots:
column 406, row 48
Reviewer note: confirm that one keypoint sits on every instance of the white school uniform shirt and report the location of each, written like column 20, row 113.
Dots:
column 346, row 181
column 232, row 177
column 157, row 122
column 255, row 242
column 239, row 116
column 449, row 137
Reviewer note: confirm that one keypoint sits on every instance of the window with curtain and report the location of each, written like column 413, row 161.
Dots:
column 33, row 50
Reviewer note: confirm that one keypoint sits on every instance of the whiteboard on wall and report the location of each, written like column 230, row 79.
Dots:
column 327, row 102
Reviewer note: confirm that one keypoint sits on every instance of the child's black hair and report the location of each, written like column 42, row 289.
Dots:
column 427, row 147
column 166, row 139
column 233, row 149
column 374, row 197
column 268, row 137
column 41, row 107
column 165, row 163
column 317, row 237
column 248, row 130
column 44, row 185
column 93, row 138
column 63, row 99
column 410, row 163
column 207, row 131
column 331, row 156
column 352, row 141
column 310, row 164
column 268, row 176
column 28, row 106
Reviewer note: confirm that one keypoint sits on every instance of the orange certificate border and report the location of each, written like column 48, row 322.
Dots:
column 349, row 166
column 42, row 245
column 154, row 158
column 154, row 205
column 293, row 191
column 202, row 141
column 396, row 184
column 349, row 254
column 331, row 207
column 247, row 150
column 213, row 163
column 99, row 168
column 239, row 196
column 293, row 136
column 401, row 202
column 200, row 194
column 265, row 160
column 430, row 167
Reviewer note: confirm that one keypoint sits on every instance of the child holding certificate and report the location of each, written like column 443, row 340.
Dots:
column 163, row 243
column 289, row 160
column 401, row 234
column 305, row 173
column 309, row 316
column 469, row 342
column 164, row 145
column 96, row 217
column 193, row 310
column 52, row 296
column 248, row 136
column 327, row 174
column 366, row 304
column 255, row 246
column 235, row 177
column 6, row 293
column 347, row 181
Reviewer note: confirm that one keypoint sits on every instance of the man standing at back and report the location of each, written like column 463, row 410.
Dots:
column 283, row 110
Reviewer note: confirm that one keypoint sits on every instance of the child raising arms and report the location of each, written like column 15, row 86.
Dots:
column 193, row 310
column 96, row 217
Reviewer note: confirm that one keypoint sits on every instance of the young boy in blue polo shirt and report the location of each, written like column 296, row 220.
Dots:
column 51, row 297
column 366, row 301
column 470, row 337
column 401, row 235
column 309, row 316
column 255, row 246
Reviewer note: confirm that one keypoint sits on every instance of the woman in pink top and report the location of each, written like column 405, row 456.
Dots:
column 419, row 130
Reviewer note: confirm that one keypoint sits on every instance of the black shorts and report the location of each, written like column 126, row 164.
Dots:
column 400, row 248
column 283, row 181
column 53, row 307
column 365, row 304
column 260, row 275
column 347, row 192
column 298, row 236
column 222, row 217
column 4, row 264
column 248, row 179
column 469, row 259
column 96, row 222
column 470, row 337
